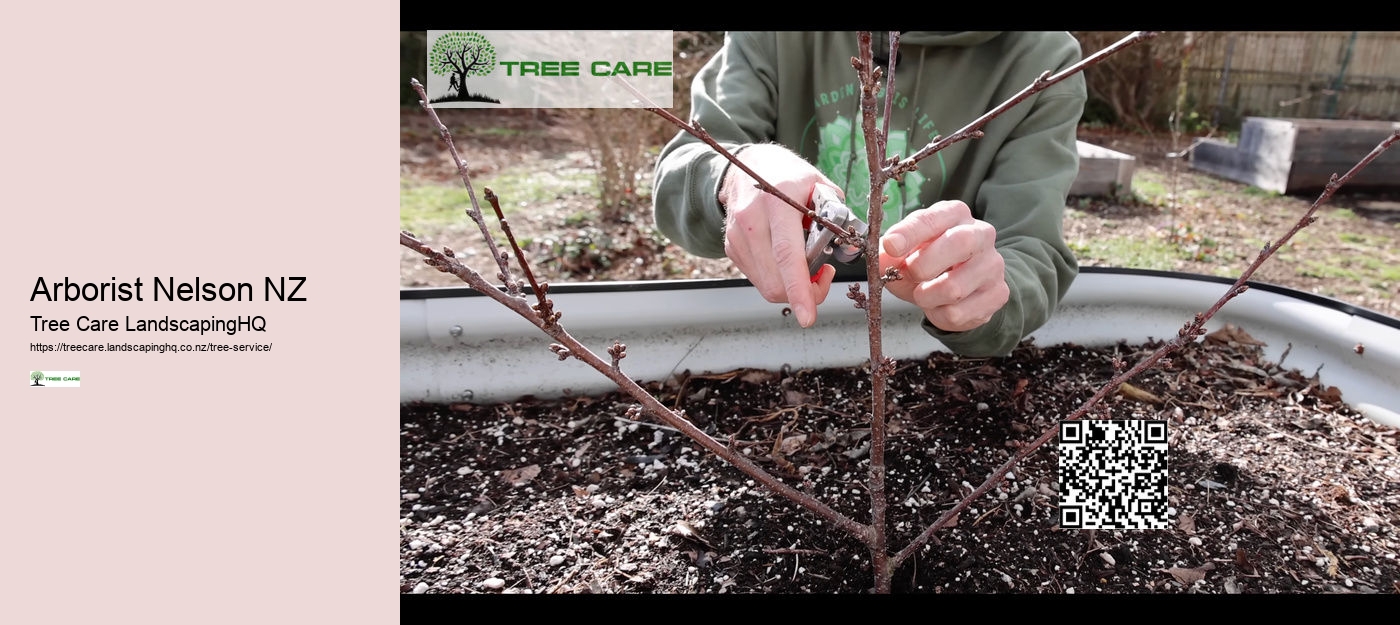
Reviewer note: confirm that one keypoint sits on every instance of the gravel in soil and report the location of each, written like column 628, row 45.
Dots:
column 1274, row 484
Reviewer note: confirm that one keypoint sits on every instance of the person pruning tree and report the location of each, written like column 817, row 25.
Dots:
column 976, row 231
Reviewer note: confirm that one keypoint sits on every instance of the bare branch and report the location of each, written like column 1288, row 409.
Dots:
column 1187, row 334
column 545, row 307
column 882, row 168
column 1046, row 79
column 475, row 210
column 694, row 129
column 569, row 346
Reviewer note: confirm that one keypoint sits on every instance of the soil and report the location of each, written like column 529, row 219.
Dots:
column 1274, row 484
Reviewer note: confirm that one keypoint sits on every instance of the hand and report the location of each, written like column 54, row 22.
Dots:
column 763, row 234
column 948, row 264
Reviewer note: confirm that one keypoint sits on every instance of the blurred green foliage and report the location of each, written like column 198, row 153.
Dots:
column 413, row 63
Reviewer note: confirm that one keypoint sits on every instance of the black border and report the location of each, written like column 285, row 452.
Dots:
column 944, row 17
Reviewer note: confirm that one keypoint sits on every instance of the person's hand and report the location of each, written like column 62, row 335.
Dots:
column 948, row 264
column 763, row 235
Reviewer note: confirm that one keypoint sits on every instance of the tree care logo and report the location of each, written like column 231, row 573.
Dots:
column 549, row 69
column 462, row 55
column 54, row 379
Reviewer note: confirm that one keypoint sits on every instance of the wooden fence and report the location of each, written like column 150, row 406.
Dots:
column 1334, row 75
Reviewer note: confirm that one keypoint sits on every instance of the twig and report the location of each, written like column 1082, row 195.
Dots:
column 1044, row 81
column 650, row 425
column 568, row 346
column 571, row 347
column 1309, row 443
column 539, row 289
column 810, row 552
column 566, row 579
column 1187, row 334
column 462, row 170
column 889, row 94
column 694, row 129
column 881, row 170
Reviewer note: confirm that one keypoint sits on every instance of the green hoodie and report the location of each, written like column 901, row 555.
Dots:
column 798, row 89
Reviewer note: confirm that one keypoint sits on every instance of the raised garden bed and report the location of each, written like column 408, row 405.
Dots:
column 1102, row 172
column 1290, row 155
column 521, row 473
column 458, row 346
column 1275, row 486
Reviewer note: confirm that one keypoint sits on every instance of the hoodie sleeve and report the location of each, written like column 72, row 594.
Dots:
column 733, row 97
column 1023, row 196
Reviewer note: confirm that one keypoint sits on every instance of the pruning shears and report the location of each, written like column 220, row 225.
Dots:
column 822, row 245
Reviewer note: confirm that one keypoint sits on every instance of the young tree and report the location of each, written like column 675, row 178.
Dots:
column 874, row 534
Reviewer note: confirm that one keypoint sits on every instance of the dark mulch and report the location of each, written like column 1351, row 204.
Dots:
column 1275, row 485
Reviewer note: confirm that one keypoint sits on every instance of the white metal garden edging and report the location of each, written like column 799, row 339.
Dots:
column 456, row 345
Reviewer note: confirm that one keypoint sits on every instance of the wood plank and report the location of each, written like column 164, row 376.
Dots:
column 1340, row 145
column 1307, row 178
column 1336, row 125
column 1291, row 155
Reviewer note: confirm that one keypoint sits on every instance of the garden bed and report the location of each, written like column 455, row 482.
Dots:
column 1275, row 484
column 1289, row 155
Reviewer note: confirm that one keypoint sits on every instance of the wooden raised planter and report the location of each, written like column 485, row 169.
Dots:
column 1102, row 172
column 1288, row 155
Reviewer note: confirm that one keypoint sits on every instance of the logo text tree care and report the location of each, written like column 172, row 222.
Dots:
column 549, row 68
column 55, row 379
column 460, row 55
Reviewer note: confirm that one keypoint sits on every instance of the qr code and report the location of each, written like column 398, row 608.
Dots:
column 1113, row 474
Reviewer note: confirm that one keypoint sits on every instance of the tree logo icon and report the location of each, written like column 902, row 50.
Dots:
column 36, row 376
column 460, row 55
